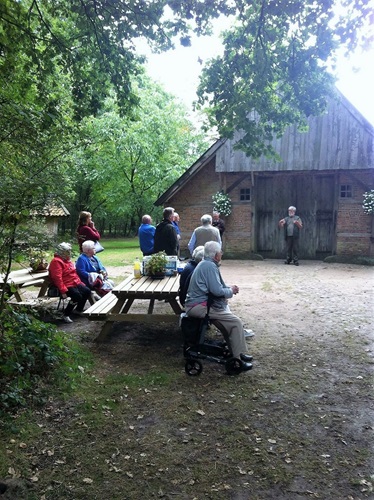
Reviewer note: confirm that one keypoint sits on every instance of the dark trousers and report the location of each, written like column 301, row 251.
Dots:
column 79, row 295
column 292, row 249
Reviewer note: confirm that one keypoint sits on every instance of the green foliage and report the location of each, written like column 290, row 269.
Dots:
column 88, row 46
column 127, row 163
column 157, row 263
column 275, row 68
column 31, row 353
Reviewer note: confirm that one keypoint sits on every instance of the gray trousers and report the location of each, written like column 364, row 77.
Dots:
column 230, row 325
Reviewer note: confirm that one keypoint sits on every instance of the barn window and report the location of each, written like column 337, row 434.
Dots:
column 345, row 191
column 245, row 194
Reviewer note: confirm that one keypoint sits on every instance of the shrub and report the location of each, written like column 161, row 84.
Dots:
column 30, row 353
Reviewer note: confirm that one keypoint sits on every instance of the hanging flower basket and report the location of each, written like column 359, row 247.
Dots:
column 368, row 204
column 221, row 203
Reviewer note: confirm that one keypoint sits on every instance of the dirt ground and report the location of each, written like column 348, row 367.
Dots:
column 299, row 425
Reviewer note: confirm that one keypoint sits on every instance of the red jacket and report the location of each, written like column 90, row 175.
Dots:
column 62, row 274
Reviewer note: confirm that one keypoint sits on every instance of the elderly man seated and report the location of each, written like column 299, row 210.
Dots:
column 206, row 279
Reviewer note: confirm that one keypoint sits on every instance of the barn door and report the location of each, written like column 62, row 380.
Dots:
column 313, row 197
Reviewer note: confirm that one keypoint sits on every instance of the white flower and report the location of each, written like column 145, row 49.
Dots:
column 221, row 203
column 368, row 204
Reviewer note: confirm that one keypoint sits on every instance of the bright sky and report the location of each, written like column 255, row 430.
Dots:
column 178, row 71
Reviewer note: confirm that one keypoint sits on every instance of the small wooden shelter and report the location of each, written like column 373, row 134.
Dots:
column 323, row 172
column 52, row 212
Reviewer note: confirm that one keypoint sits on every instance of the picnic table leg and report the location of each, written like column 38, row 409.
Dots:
column 127, row 306
column 175, row 306
column 151, row 306
column 43, row 288
column 17, row 294
column 104, row 332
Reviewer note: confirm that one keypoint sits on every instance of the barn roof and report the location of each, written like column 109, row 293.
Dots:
column 340, row 139
column 188, row 174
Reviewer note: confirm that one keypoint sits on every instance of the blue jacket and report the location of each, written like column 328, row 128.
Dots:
column 146, row 235
column 84, row 266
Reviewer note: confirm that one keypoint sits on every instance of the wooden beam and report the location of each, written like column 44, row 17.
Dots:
column 236, row 183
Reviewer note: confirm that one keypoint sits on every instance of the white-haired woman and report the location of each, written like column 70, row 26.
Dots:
column 91, row 270
column 63, row 275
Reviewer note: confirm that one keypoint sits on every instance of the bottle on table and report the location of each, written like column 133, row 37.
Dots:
column 137, row 272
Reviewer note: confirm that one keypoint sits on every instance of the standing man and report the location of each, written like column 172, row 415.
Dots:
column 202, row 234
column 218, row 223
column 146, row 233
column 165, row 235
column 206, row 279
column 291, row 224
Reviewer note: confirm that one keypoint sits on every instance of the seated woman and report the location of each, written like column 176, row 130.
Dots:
column 63, row 275
column 86, row 229
column 91, row 271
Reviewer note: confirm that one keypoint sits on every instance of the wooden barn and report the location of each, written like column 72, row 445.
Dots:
column 323, row 172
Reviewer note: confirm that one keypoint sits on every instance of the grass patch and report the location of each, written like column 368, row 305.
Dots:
column 117, row 253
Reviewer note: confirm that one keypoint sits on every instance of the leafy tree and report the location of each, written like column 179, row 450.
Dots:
column 59, row 59
column 275, row 67
column 130, row 162
column 92, row 43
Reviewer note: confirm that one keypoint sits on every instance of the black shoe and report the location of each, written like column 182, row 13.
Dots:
column 246, row 357
column 246, row 367
column 296, row 263
column 286, row 261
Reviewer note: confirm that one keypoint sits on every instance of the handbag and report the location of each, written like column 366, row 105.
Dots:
column 98, row 247
column 53, row 291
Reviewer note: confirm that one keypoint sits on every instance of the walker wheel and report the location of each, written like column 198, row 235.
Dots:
column 193, row 368
column 226, row 353
column 233, row 366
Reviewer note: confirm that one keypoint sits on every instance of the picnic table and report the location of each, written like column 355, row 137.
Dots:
column 116, row 305
column 18, row 280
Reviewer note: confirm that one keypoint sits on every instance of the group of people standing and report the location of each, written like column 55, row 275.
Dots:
column 84, row 279
column 166, row 235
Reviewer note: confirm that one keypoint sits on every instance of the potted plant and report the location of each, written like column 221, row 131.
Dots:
column 38, row 259
column 156, row 265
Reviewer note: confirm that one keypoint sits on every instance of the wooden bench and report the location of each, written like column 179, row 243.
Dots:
column 115, row 306
column 100, row 309
column 23, row 278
